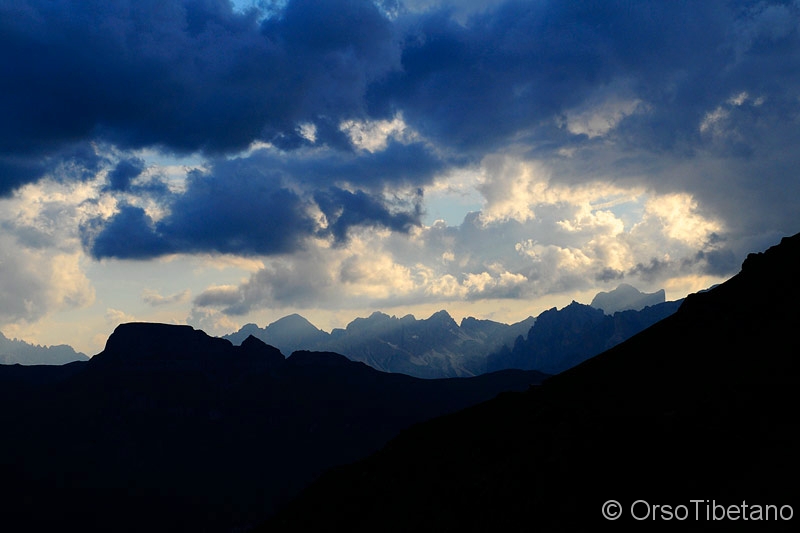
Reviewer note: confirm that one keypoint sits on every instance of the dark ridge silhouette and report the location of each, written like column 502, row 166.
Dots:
column 700, row 406
column 169, row 429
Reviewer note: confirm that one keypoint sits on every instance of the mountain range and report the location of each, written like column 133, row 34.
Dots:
column 13, row 351
column 169, row 429
column 690, row 425
column 438, row 347
column 435, row 347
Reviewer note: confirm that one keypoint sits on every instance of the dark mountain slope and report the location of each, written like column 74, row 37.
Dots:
column 169, row 429
column 700, row 406
column 563, row 338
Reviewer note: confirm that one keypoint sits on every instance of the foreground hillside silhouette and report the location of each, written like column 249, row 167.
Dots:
column 701, row 406
column 169, row 429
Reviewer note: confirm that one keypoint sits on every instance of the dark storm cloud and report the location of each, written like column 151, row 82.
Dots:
column 609, row 274
column 236, row 215
column 194, row 75
column 510, row 69
column 183, row 76
column 251, row 206
column 397, row 165
column 126, row 170
column 716, row 86
column 344, row 209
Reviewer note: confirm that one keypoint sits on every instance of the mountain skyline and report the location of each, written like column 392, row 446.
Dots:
column 218, row 163
column 439, row 347
column 13, row 351
column 294, row 332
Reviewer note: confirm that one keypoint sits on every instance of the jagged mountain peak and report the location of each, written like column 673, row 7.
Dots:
column 16, row 351
column 441, row 316
column 293, row 320
column 375, row 319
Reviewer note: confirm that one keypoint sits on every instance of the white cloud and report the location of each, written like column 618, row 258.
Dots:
column 676, row 216
column 69, row 287
column 374, row 135
column 115, row 317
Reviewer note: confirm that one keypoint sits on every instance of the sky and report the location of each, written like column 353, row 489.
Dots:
column 212, row 163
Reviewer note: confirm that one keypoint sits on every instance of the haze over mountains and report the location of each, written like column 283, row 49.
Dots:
column 695, row 415
column 431, row 348
column 14, row 351
column 438, row 347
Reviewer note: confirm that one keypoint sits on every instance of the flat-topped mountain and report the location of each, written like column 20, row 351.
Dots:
column 149, row 346
column 170, row 429
column 688, row 425
column 626, row 298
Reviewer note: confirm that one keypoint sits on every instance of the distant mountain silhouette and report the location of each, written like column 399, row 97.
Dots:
column 700, row 406
column 563, row 338
column 169, row 429
column 626, row 298
column 288, row 334
column 23, row 353
column 435, row 347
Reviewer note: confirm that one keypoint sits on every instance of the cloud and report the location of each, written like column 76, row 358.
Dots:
column 576, row 239
column 155, row 299
column 184, row 76
column 648, row 93
column 34, row 283
column 264, row 203
column 126, row 170
column 41, row 268
column 115, row 317
column 343, row 209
